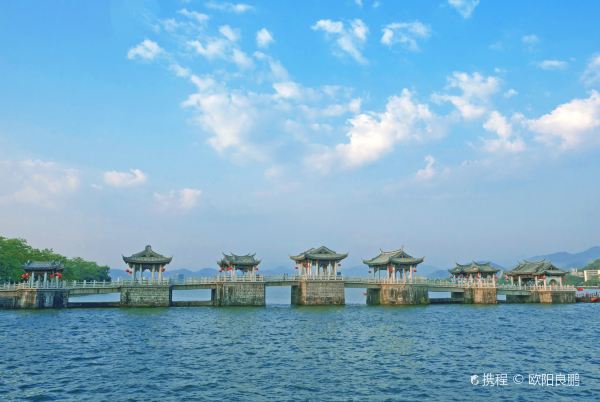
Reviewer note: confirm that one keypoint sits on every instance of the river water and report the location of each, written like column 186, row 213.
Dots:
column 279, row 352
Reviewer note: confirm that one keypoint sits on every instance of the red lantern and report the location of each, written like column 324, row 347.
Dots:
column 58, row 275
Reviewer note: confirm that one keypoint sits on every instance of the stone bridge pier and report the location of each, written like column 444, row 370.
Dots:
column 397, row 294
column 318, row 292
column 238, row 294
column 146, row 296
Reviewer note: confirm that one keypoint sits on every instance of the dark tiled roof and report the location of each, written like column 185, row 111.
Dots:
column 399, row 257
column 238, row 260
column 319, row 253
column 147, row 256
column 43, row 266
column 533, row 268
column 473, row 268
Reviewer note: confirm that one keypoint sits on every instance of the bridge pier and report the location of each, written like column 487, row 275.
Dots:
column 397, row 294
column 316, row 292
column 35, row 299
column 146, row 295
column 238, row 294
column 480, row 296
column 547, row 296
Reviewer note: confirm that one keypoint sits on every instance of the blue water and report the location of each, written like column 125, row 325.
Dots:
column 353, row 352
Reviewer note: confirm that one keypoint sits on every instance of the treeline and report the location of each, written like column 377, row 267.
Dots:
column 15, row 252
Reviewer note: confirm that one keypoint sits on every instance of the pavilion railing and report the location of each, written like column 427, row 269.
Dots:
column 441, row 283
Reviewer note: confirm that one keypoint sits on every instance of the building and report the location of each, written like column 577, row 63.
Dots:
column 397, row 265
column 42, row 270
column 318, row 262
column 591, row 274
column 231, row 263
column 536, row 273
column 147, row 260
column 474, row 271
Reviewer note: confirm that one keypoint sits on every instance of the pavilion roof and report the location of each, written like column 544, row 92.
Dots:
column 473, row 268
column 234, row 259
column 319, row 253
column 533, row 268
column 43, row 266
column 398, row 257
column 147, row 256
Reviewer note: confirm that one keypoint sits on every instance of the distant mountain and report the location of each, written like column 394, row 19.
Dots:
column 564, row 259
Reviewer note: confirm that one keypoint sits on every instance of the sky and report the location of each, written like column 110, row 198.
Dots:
column 460, row 130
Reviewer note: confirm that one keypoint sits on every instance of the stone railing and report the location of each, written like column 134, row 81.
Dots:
column 51, row 284
column 565, row 288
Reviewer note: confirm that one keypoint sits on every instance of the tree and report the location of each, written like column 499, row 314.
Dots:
column 16, row 252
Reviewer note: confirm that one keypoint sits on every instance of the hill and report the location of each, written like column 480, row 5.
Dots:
column 565, row 259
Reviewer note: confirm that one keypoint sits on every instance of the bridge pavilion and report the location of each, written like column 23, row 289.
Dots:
column 318, row 262
column 397, row 264
column 231, row 263
column 474, row 271
column 147, row 260
column 536, row 273
column 42, row 270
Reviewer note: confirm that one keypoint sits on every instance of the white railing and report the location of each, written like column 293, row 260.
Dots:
column 51, row 284
column 56, row 284
column 566, row 288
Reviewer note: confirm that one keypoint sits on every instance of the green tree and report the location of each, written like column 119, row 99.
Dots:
column 16, row 252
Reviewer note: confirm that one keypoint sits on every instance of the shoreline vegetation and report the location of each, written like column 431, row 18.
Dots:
column 16, row 252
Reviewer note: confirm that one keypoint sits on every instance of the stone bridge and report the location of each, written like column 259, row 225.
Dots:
column 250, row 291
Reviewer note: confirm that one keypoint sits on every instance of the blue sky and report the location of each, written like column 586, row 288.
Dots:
column 458, row 129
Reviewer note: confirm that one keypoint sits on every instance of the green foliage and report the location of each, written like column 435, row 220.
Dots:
column 573, row 280
column 593, row 265
column 15, row 252
column 592, row 282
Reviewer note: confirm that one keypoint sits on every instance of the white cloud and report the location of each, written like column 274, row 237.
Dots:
column 552, row 64
column 530, row 41
column 476, row 92
column 228, row 32
column 510, row 93
column 212, row 48
column 429, row 171
column 241, row 59
column 505, row 142
column 182, row 200
column 132, row 178
column 464, row 7
column 194, row 15
column 348, row 39
column 179, row 71
column 146, row 50
column 373, row 135
column 358, row 3
column 570, row 125
column 405, row 33
column 591, row 75
column 236, row 8
column 264, row 38
column 229, row 116
column 223, row 47
column 36, row 182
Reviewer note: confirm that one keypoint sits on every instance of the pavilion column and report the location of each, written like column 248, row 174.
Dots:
column 519, row 281
column 560, row 280
column 45, row 277
column 512, row 281
column 160, row 273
